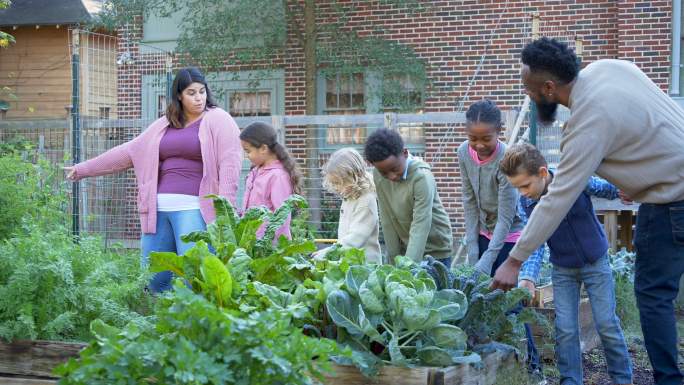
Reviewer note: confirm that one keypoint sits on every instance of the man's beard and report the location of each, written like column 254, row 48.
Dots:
column 546, row 111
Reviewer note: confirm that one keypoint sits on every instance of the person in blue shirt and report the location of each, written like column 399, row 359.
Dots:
column 579, row 255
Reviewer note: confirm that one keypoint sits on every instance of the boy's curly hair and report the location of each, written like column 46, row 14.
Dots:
column 382, row 144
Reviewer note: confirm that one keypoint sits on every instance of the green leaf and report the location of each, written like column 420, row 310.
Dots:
column 294, row 248
column 356, row 275
column 448, row 337
column 370, row 301
column 376, row 282
column 344, row 312
column 433, row 319
column 329, row 285
column 403, row 277
column 103, row 331
column 217, row 279
column 192, row 260
column 403, row 262
column 224, row 210
column 239, row 268
column 395, row 353
column 434, row 356
column 366, row 362
column 451, row 304
column 196, row 236
column 369, row 326
column 167, row 261
column 424, row 297
column 278, row 218
column 275, row 296
column 271, row 270
column 397, row 295
column 246, row 233
column 221, row 234
column 423, row 281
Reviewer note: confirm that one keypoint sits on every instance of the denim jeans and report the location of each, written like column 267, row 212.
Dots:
column 170, row 226
column 533, row 358
column 659, row 243
column 598, row 281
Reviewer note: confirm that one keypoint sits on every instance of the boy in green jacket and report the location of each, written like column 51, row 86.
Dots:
column 414, row 222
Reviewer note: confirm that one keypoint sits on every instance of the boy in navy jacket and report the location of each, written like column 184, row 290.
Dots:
column 578, row 253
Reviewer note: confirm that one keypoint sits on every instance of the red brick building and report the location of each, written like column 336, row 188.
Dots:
column 452, row 36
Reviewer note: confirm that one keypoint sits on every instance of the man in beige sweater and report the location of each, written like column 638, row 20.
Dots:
column 624, row 128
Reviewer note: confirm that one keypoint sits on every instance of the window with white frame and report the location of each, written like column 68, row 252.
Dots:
column 250, row 103
column 366, row 93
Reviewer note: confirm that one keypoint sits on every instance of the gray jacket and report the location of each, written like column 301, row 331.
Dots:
column 489, row 203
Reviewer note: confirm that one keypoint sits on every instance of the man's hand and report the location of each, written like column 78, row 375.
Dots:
column 529, row 286
column 506, row 276
column 624, row 198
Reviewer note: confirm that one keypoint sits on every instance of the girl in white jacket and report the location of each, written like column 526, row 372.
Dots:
column 345, row 174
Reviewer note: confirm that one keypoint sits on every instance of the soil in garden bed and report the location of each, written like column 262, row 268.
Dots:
column 595, row 371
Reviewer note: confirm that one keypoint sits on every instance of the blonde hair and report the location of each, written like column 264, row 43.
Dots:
column 348, row 166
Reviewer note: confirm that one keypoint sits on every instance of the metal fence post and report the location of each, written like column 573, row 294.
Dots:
column 533, row 106
column 75, row 131
column 169, row 77
column 533, row 123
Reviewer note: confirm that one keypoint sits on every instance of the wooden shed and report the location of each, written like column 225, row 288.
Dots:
column 35, row 71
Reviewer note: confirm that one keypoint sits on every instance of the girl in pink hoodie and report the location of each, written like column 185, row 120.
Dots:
column 192, row 151
column 274, row 175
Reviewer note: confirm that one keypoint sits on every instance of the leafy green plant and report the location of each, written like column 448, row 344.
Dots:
column 622, row 264
column 52, row 288
column 489, row 317
column 5, row 38
column 195, row 342
column 28, row 192
column 389, row 315
column 231, row 267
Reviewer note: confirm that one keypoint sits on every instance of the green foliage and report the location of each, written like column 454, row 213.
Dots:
column 229, row 266
column 196, row 342
column 17, row 145
column 622, row 264
column 26, row 190
column 300, row 227
column 488, row 317
column 402, row 312
column 5, row 38
column 52, row 288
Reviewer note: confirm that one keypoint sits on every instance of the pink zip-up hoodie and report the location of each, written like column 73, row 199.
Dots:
column 219, row 138
column 268, row 186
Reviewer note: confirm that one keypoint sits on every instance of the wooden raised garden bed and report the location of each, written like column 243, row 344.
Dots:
column 464, row 374
column 32, row 362
column 543, row 296
column 589, row 338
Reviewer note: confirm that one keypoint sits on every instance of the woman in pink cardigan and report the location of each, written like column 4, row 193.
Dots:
column 192, row 151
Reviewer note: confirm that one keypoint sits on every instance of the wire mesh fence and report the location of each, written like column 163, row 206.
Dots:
column 547, row 136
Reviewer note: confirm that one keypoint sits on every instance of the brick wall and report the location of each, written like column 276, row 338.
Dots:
column 645, row 35
column 452, row 36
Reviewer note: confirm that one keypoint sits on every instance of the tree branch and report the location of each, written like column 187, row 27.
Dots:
column 292, row 20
